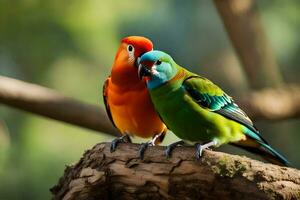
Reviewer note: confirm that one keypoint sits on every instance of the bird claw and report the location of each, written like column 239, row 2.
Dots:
column 142, row 149
column 116, row 141
column 152, row 142
column 113, row 145
column 199, row 151
column 168, row 151
column 171, row 147
column 201, row 147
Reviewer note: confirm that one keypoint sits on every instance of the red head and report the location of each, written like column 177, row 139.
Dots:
column 125, row 64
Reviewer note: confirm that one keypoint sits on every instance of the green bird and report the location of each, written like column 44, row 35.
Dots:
column 198, row 111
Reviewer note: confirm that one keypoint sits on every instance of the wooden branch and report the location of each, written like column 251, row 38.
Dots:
column 243, row 24
column 269, row 104
column 100, row 174
column 48, row 103
column 272, row 104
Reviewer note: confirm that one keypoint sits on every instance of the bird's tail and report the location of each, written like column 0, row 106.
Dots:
column 262, row 149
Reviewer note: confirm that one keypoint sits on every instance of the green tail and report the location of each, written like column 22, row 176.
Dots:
column 276, row 155
column 257, row 145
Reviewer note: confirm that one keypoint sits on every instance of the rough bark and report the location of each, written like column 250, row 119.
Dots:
column 100, row 174
column 244, row 27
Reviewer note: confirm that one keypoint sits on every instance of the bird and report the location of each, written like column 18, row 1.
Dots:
column 126, row 98
column 198, row 111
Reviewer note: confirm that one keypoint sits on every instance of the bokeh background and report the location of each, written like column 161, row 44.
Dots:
column 70, row 45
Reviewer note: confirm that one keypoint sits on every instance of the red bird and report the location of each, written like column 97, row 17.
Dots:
column 126, row 98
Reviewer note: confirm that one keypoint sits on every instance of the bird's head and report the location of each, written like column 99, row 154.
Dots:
column 130, row 50
column 157, row 68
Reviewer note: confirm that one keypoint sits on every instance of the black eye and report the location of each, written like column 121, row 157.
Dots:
column 158, row 62
column 130, row 48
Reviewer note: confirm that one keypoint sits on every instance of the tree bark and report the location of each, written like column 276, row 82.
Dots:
column 100, row 174
column 243, row 24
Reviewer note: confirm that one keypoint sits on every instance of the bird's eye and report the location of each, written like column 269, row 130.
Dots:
column 129, row 48
column 158, row 62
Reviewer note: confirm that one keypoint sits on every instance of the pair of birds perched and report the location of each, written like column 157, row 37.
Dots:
column 148, row 92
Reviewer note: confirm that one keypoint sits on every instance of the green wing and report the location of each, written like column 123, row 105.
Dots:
column 211, row 97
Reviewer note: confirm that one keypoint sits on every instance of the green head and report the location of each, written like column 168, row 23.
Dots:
column 157, row 68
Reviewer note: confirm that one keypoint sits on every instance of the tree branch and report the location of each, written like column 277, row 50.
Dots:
column 48, row 103
column 272, row 104
column 269, row 104
column 100, row 174
column 243, row 24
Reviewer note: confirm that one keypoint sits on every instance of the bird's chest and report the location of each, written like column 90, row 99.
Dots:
column 133, row 112
column 183, row 115
column 129, row 103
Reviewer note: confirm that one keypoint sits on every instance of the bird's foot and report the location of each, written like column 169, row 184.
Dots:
column 171, row 147
column 201, row 147
column 123, row 139
column 144, row 146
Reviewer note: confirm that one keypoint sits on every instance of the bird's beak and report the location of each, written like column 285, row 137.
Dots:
column 143, row 71
column 137, row 62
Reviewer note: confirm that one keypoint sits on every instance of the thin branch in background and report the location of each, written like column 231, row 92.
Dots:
column 268, row 104
column 46, row 102
column 272, row 103
column 244, row 27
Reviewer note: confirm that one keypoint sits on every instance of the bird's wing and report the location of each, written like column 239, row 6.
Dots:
column 209, row 96
column 104, row 94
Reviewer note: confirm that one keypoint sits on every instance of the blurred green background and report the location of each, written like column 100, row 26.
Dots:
column 70, row 46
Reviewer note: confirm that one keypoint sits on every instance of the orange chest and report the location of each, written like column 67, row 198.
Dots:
column 133, row 112
column 128, row 97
